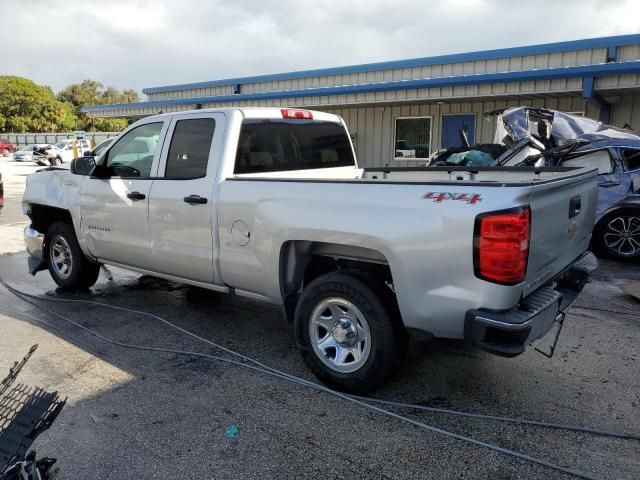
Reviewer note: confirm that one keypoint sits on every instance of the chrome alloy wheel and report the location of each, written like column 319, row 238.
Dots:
column 340, row 335
column 60, row 257
column 623, row 235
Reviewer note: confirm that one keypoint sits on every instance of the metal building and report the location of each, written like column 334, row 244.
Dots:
column 399, row 112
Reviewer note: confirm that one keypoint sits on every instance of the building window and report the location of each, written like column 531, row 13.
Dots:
column 413, row 138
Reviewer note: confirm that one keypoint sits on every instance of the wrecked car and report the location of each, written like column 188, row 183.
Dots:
column 541, row 137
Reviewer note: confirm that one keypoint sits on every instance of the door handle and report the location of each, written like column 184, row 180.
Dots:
column 195, row 200
column 136, row 196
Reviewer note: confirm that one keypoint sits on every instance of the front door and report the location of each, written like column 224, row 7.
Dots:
column 452, row 125
column 181, row 211
column 114, row 210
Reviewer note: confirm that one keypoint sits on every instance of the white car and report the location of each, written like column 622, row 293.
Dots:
column 64, row 148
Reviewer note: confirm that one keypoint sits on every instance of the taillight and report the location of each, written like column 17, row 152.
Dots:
column 298, row 114
column 501, row 246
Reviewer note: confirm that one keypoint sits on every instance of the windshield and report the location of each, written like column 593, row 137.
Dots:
column 62, row 144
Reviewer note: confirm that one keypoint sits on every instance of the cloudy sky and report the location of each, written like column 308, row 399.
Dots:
column 140, row 43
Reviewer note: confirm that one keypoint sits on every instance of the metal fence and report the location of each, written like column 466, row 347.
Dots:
column 22, row 139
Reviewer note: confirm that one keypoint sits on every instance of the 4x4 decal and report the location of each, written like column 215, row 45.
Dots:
column 439, row 197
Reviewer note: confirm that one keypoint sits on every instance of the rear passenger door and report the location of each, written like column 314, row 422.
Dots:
column 181, row 210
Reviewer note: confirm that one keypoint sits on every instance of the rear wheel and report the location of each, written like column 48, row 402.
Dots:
column 618, row 235
column 68, row 266
column 348, row 331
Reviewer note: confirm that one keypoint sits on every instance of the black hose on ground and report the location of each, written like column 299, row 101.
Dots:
column 255, row 365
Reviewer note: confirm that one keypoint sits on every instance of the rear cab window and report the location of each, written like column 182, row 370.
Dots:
column 285, row 145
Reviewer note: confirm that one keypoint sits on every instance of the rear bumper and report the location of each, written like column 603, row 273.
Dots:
column 34, row 242
column 506, row 333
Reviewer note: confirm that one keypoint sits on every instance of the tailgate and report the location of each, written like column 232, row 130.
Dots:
column 562, row 216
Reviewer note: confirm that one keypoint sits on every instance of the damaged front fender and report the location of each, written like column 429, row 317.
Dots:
column 34, row 242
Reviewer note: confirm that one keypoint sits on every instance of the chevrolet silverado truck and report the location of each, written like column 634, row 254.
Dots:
column 270, row 204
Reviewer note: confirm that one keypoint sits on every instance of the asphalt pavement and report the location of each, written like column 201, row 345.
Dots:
column 137, row 414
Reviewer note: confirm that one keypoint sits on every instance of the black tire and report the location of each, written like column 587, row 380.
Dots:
column 61, row 242
column 376, row 303
column 604, row 237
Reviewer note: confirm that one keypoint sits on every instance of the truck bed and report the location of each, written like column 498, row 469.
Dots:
column 499, row 176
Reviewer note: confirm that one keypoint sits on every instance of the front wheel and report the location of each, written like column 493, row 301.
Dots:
column 348, row 332
column 618, row 235
column 68, row 266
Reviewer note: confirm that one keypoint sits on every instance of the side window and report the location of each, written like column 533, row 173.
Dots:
column 188, row 155
column 600, row 160
column 631, row 158
column 132, row 154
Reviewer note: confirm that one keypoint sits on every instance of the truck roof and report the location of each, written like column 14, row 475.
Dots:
column 258, row 113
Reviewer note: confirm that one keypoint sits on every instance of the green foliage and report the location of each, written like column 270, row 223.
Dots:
column 90, row 92
column 26, row 106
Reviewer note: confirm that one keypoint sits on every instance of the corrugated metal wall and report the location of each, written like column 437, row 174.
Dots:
column 512, row 64
column 572, row 86
column 373, row 127
column 626, row 110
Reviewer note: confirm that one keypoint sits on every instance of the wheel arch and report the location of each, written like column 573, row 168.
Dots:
column 302, row 261
column 43, row 216
column 629, row 203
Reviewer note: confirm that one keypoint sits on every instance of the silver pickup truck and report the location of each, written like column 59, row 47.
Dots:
column 270, row 204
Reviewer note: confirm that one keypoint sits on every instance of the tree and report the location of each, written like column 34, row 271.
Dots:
column 26, row 106
column 91, row 92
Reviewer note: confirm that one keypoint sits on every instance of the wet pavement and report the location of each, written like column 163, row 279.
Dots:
column 137, row 414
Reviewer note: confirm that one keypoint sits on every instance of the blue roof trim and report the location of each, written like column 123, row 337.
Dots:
column 602, row 42
column 598, row 70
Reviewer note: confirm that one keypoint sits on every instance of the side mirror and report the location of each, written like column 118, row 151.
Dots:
column 88, row 153
column 83, row 166
column 100, row 170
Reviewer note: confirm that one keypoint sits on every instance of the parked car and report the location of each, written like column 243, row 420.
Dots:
column 64, row 149
column 270, row 204
column 25, row 154
column 6, row 147
column 541, row 137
